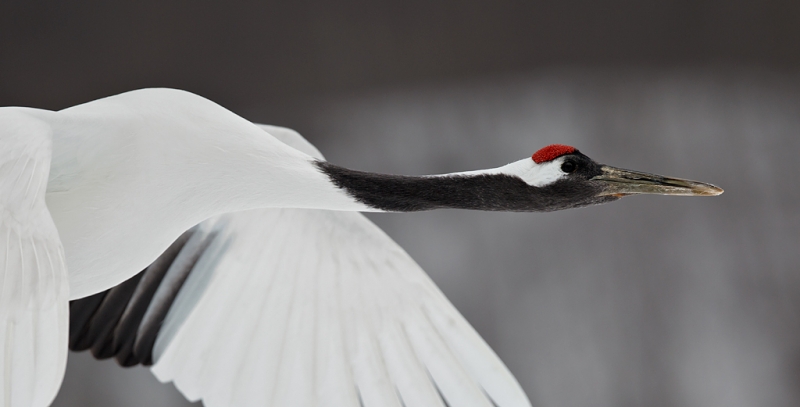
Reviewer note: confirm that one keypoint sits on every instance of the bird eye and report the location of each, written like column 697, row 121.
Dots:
column 568, row 167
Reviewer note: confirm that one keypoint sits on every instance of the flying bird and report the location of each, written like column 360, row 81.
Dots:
column 233, row 258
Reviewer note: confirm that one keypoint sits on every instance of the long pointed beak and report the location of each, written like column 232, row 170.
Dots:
column 619, row 182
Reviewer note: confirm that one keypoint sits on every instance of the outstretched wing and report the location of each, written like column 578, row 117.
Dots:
column 290, row 307
column 33, row 281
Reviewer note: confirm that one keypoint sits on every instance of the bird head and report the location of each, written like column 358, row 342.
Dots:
column 566, row 178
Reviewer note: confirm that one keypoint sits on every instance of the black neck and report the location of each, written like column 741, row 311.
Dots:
column 489, row 192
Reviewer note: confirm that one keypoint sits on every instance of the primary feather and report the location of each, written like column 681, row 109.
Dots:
column 305, row 307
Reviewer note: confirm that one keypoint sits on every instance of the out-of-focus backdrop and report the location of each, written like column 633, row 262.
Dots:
column 650, row 301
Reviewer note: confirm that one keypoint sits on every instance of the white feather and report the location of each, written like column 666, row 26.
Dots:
column 33, row 280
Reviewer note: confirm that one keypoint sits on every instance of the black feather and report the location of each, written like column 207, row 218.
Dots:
column 123, row 322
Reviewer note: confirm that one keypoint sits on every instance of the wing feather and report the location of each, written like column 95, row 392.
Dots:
column 307, row 307
column 33, row 280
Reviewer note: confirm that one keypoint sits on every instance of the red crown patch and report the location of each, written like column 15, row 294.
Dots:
column 551, row 152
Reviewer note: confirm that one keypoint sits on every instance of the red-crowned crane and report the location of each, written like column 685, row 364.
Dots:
column 277, row 291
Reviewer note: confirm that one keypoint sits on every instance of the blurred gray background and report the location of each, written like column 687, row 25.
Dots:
column 650, row 301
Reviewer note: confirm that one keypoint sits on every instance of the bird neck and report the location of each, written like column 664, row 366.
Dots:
column 495, row 189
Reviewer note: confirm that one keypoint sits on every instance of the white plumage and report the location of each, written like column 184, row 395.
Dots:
column 132, row 172
column 33, row 276
column 299, row 301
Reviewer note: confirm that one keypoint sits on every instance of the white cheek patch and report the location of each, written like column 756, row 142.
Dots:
column 537, row 175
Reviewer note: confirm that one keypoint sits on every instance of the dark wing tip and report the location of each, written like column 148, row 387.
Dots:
column 123, row 322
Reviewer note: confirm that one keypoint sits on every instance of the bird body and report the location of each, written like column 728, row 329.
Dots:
column 279, row 244
column 154, row 163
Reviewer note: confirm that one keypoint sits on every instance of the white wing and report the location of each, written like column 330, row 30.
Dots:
column 33, row 283
column 290, row 307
